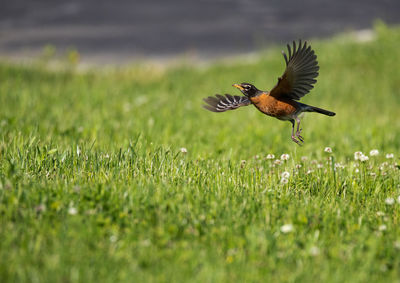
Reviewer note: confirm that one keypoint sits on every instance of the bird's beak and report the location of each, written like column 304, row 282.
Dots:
column 238, row 86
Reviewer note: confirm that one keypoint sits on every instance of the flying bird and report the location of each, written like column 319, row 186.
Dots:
column 282, row 102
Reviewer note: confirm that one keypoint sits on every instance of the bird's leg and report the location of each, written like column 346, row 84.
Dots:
column 293, row 136
column 298, row 132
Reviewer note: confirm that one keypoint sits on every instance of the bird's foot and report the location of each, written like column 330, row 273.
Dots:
column 299, row 136
column 296, row 140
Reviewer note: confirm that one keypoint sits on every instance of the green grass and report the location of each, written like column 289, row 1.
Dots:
column 94, row 188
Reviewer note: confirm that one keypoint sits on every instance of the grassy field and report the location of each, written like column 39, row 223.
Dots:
column 94, row 185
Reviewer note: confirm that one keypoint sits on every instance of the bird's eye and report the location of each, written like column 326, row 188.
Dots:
column 246, row 87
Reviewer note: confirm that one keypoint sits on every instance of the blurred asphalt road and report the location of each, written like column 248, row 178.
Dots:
column 106, row 31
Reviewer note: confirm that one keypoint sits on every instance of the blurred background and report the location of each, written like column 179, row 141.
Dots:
column 123, row 31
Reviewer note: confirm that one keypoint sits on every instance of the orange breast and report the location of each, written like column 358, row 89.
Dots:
column 271, row 106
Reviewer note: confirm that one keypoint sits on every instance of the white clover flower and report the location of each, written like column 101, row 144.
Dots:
column 382, row 227
column 298, row 166
column 285, row 174
column 270, row 156
column 285, row 156
column 284, row 181
column 372, row 174
column 374, row 152
column 339, row 165
column 320, row 165
column 72, row 211
column 357, row 155
column 357, row 170
column 183, row 150
column 287, row 228
column 389, row 201
column 380, row 213
column 314, row 251
column 389, row 155
column 364, row 158
column 113, row 238
column 328, row 149
column 304, row 158
column 277, row 162
column 309, row 172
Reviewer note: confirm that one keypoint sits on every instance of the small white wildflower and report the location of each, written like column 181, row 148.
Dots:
column 256, row 157
column 382, row 227
column 339, row 165
column 113, row 238
column 328, row 149
column 183, row 150
column 78, row 150
column 270, row 156
column 285, row 174
column 357, row 155
column 242, row 163
column 372, row 174
column 320, row 165
column 314, row 251
column 309, row 171
column 389, row 201
column 298, row 166
column 304, row 158
column 284, row 181
column 389, row 155
column 285, row 156
column 287, row 228
column 72, row 211
column 357, row 170
column 380, row 213
column 374, row 152
column 364, row 158
column 277, row 162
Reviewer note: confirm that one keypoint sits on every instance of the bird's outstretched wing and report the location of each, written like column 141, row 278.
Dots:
column 299, row 76
column 221, row 103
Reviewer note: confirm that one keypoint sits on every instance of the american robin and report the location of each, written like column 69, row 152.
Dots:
column 282, row 101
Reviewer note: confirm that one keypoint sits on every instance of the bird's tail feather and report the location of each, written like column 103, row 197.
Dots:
column 320, row 110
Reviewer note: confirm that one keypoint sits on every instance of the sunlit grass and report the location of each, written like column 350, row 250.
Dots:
column 120, row 175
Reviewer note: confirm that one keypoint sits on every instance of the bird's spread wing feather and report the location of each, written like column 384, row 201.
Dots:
column 301, row 71
column 221, row 103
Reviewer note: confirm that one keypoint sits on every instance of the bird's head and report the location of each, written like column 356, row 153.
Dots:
column 247, row 89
